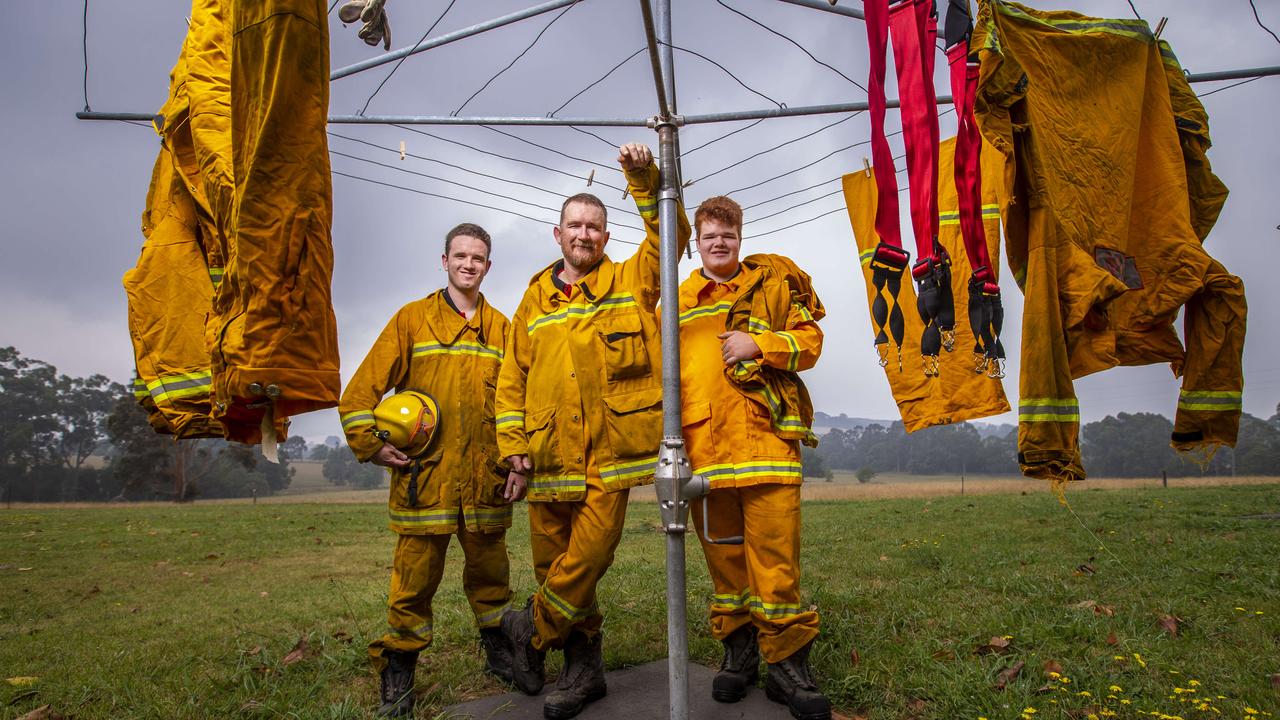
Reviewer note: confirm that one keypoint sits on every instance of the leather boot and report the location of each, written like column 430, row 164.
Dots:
column 790, row 682
column 740, row 668
column 527, row 672
column 497, row 653
column 397, row 685
column 581, row 681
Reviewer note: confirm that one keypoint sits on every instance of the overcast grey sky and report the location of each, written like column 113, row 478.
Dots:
column 73, row 191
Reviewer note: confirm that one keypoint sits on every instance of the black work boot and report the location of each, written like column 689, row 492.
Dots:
column 740, row 668
column 581, row 681
column 497, row 653
column 527, row 672
column 791, row 682
column 397, row 685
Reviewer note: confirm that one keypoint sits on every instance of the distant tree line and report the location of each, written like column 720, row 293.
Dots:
column 65, row 438
column 1123, row 445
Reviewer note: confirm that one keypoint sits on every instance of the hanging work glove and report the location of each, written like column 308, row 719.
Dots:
column 376, row 28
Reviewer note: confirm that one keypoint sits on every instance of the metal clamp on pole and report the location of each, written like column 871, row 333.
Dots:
column 657, row 121
column 676, row 485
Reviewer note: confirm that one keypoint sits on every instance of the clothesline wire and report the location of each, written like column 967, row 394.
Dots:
column 421, row 40
column 465, row 202
column 1259, row 21
column 410, row 128
column 85, row 42
column 332, row 5
column 511, row 64
column 779, row 146
column 731, row 133
column 802, row 48
column 1134, row 9
column 725, row 70
column 596, row 82
column 1228, row 87
column 424, row 158
column 562, row 154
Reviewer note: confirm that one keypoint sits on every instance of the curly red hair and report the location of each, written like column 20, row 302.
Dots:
column 722, row 210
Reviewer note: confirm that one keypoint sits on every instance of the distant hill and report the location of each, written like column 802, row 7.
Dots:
column 824, row 423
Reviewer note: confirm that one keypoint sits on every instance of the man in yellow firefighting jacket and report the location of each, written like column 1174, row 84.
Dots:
column 754, row 316
column 448, row 345
column 579, row 419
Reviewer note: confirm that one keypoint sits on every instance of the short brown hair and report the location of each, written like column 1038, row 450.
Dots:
column 470, row 230
column 585, row 199
column 721, row 209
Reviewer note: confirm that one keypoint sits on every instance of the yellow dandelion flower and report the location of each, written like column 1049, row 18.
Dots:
column 1032, row 711
column 1116, row 688
column 1091, row 716
column 1055, row 675
column 1241, row 609
column 1138, row 659
column 1250, row 711
column 1257, row 612
column 1193, row 683
column 1126, row 701
column 1121, row 658
column 1085, row 693
column 1107, row 713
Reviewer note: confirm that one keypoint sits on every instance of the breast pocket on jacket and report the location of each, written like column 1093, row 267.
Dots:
column 623, row 347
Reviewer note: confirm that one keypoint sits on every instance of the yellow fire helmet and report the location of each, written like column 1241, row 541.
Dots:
column 407, row 420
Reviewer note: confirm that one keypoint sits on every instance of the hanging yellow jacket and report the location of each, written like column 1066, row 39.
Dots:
column 428, row 347
column 1100, row 228
column 583, row 375
column 777, row 289
column 958, row 393
column 169, row 294
column 277, row 353
column 742, row 425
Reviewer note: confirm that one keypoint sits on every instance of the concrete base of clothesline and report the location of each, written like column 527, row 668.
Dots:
column 638, row 693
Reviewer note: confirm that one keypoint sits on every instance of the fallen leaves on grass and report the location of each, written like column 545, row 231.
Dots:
column 44, row 712
column 944, row 655
column 916, row 706
column 854, row 657
column 211, row 556
column 1275, row 681
column 1097, row 607
column 1170, row 624
column 1052, row 667
column 1008, row 675
column 997, row 644
column 1086, row 568
column 298, row 653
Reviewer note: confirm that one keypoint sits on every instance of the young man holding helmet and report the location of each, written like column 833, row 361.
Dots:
column 441, row 355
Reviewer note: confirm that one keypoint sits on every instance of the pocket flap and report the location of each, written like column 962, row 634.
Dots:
column 619, row 326
column 623, row 403
column 695, row 413
column 539, row 420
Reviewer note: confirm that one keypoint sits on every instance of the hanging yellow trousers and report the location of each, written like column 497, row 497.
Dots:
column 573, row 544
column 416, row 570
column 1105, row 223
column 958, row 393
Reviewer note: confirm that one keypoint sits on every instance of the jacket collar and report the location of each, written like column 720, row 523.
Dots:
column 448, row 323
column 593, row 287
column 692, row 290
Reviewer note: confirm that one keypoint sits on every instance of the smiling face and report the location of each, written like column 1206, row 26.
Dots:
column 466, row 262
column 582, row 236
column 718, row 245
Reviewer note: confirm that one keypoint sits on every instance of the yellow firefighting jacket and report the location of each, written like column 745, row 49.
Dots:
column 958, row 393
column 582, row 379
column 428, row 347
column 278, row 325
column 742, row 424
column 1105, row 223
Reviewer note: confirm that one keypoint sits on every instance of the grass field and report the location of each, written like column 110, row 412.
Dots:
column 163, row 611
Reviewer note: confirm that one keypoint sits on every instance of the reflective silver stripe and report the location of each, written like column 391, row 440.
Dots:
column 361, row 417
column 610, row 302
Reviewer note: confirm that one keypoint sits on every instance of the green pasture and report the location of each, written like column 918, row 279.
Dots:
column 1148, row 603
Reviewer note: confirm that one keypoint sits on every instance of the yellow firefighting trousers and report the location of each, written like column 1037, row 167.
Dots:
column 573, row 544
column 1100, row 227
column 278, row 328
column 169, row 293
column 416, row 571
column 757, row 582
column 958, row 393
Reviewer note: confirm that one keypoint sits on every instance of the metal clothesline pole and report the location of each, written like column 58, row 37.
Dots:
column 448, row 38
column 1193, row 78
